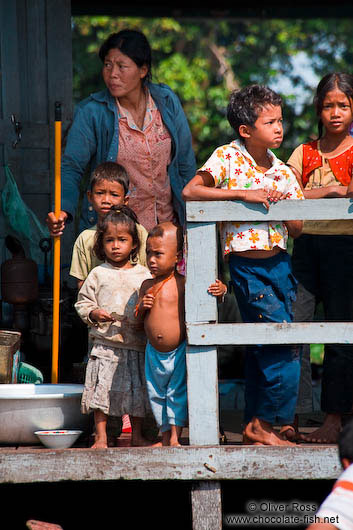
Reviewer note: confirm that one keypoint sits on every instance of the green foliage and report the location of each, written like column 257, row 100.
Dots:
column 203, row 60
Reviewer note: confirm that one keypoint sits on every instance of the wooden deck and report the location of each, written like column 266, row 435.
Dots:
column 229, row 461
column 189, row 463
column 202, row 460
column 204, row 333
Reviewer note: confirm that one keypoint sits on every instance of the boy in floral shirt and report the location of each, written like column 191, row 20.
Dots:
column 259, row 265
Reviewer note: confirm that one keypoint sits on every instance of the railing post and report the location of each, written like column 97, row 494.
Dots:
column 202, row 395
column 201, row 271
column 202, row 373
column 206, row 505
column 202, row 307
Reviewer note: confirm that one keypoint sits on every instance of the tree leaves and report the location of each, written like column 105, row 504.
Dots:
column 203, row 60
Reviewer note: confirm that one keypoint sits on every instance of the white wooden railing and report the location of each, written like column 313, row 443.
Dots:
column 204, row 332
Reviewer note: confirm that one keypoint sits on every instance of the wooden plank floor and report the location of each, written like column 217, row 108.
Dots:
column 231, row 461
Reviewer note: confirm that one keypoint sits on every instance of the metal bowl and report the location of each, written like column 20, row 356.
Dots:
column 26, row 408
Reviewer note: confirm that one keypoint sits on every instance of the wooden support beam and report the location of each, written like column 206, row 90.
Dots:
column 230, row 462
column 201, row 271
column 202, row 380
column 206, row 506
column 313, row 209
column 271, row 333
column 190, row 463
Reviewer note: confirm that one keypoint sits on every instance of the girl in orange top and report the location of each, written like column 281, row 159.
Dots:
column 323, row 254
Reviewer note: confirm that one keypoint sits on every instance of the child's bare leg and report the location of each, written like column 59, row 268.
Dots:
column 175, row 433
column 100, row 420
column 327, row 433
column 136, row 437
column 260, row 432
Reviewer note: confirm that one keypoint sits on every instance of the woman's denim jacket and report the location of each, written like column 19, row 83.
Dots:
column 94, row 138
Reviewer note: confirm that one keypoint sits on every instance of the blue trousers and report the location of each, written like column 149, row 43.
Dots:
column 265, row 290
column 166, row 385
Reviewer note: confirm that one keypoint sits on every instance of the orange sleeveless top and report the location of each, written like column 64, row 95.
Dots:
column 341, row 165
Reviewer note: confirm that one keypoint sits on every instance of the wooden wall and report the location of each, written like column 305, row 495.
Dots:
column 36, row 71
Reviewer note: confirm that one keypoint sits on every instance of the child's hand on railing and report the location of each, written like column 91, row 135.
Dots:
column 257, row 196
column 325, row 192
column 218, row 289
column 264, row 196
column 275, row 195
column 337, row 191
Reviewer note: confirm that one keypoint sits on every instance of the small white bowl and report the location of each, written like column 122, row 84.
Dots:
column 59, row 439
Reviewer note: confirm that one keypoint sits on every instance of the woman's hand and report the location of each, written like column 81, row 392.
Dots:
column 56, row 225
column 101, row 315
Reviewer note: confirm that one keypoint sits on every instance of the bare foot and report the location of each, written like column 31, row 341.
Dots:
column 328, row 432
column 261, row 432
column 165, row 439
column 247, row 441
column 100, row 436
column 175, row 433
column 290, row 432
column 100, row 443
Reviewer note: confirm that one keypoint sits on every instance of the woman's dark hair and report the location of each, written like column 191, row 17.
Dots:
column 118, row 215
column 340, row 80
column 132, row 43
column 245, row 105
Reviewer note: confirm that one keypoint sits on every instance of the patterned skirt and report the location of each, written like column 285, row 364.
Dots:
column 115, row 382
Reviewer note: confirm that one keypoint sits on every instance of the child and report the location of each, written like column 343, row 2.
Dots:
column 323, row 255
column 161, row 306
column 260, row 268
column 109, row 186
column 115, row 381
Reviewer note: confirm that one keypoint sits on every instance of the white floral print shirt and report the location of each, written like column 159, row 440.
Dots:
column 232, row 167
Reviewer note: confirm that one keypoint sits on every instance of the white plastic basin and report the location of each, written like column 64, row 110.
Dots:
column 59, row 439
column 26, row 408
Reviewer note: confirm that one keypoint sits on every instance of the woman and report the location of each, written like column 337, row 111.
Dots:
column 136, row 123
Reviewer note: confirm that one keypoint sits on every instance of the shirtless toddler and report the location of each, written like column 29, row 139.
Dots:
column 161, row 307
